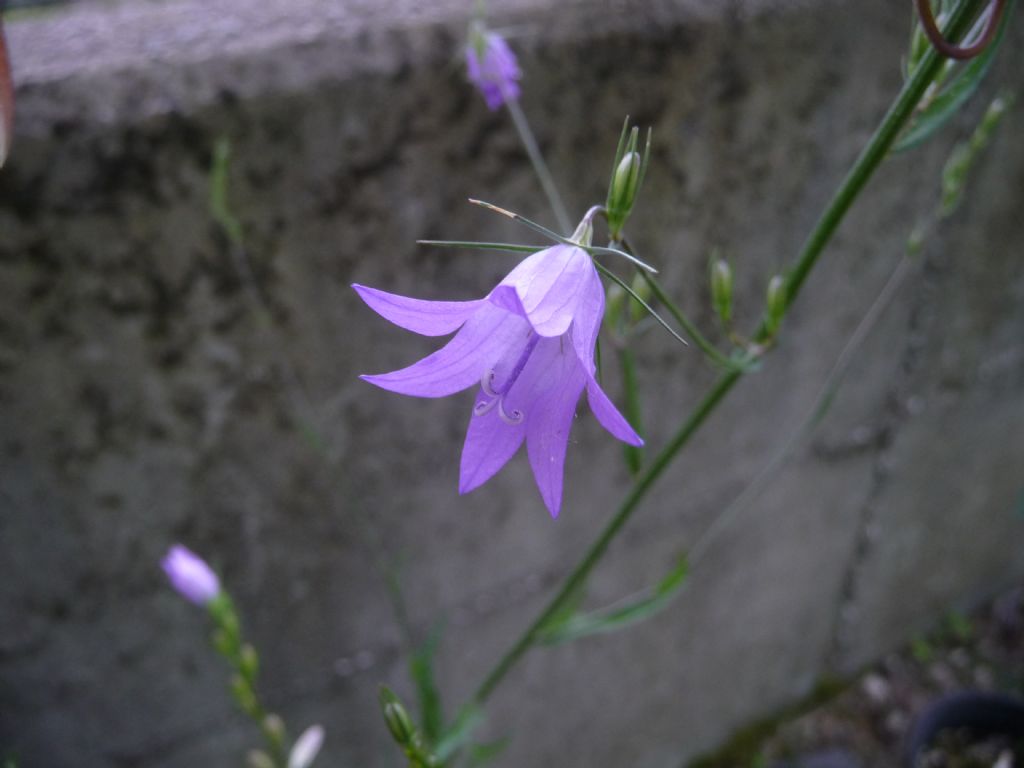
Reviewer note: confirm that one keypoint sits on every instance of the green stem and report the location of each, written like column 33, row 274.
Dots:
column 547, row 183
column 862, row 170
column 634, row 413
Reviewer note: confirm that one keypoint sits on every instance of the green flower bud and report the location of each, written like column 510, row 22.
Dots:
column 273, row 727
column 775, row 303
column 628, row 171
column 721, row 289
column 396, row 718
column 584, row 234
column 258, row 759
column 248, row 662
column 642, row 289
column 614, row 302
column 244, row 695
column 625, row 182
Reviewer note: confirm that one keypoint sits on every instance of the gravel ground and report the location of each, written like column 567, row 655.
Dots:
column 866, row 724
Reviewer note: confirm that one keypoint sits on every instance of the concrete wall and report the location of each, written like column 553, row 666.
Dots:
column 147, row 399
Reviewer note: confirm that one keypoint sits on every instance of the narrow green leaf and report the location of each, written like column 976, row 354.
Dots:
column 593, row 250
column 614, row 619
column 482, row 246
column 565, row 612
column 953, row 96
column 456, row 737
column 421, row 667
column 482, row 754
column 219, row 206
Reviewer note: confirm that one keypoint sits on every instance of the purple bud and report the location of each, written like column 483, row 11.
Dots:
column 190, row 575
column 492, row 68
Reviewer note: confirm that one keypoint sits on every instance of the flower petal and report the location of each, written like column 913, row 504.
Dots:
column 587, row 323
column 546, row 394
column 608, row 415
column 461, row 362
column 547, row 437
column 490, row 443
column 548, row 286
column 428, row 318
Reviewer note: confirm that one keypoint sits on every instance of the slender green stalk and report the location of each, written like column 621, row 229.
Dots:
column 634, row 413
column 597, row 549
column 539, row 166
column 856, row 179
column 875, row 151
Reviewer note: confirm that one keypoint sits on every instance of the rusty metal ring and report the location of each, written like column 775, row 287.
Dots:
column 947, row 49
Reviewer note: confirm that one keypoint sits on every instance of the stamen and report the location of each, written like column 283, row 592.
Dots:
column 487, row 384
column 481, row 409
column 513, row 418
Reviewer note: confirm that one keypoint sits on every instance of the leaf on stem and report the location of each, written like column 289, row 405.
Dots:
column 614, row 619
column 459, row 733
column 948, row 102
column 421, row 667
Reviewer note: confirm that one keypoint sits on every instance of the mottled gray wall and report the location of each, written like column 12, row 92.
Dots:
column 146, row 398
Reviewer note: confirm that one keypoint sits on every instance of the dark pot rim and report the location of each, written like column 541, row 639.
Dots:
column 984, row 713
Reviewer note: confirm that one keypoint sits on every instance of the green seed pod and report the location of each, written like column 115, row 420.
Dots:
column 642, row 289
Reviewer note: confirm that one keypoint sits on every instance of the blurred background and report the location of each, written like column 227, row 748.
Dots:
column 164, row 379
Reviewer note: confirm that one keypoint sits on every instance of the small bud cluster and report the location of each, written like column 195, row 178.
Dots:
column 194, row 580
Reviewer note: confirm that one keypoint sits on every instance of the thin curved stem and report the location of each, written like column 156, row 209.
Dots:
column 547, row 182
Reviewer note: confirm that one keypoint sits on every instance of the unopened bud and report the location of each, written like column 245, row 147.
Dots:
column 643, row 290
column 915, row 242
column 248, row 662
column 627, row 175
column 775, row 302
column 584, row 234
column 244, row 696
column 273, row 727
column 721, row 289
column 625, row 183
column 258, row 759
column 616, row 297
column 396, row 718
